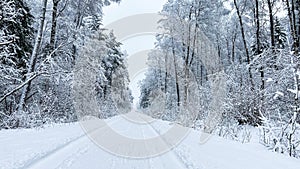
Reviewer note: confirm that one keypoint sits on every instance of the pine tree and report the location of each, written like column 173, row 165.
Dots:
column 280, row 35
column 16, row 29
column 16, row 35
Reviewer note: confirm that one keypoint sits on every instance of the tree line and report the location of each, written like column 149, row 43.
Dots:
column 41, row 42
column 253, row 44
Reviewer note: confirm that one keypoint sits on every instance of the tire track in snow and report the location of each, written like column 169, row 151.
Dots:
column 31, row 164
column 69, row 161
column 149, row 160
column 176, row 155
column 118, row 161
column 37, row 159
column 180, row 155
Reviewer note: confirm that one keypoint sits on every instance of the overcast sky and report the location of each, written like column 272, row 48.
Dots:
column 126, row 8
column 131, row 7
column 136, row 44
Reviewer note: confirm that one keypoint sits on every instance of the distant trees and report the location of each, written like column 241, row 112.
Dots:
column 292, row 7
column 177, row 71
column 101, row 79
column 115, row 96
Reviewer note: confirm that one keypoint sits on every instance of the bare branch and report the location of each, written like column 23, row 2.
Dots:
column 63, row 8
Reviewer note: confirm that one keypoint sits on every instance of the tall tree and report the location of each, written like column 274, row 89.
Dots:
column 271, row 18
column 54, row 23
column 16, row 34
column 242, row 30
column 280, row 36
column 33, row 59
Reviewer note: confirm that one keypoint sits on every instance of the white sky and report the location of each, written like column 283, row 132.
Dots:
column 131, row 7
column 126, row 8
column 136, row 44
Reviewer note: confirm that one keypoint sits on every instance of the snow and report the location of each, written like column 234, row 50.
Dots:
column 269, row 80
column 66, row 146
column 277, row 94
column 298, row 73
column 294, row 92
column 280, row 93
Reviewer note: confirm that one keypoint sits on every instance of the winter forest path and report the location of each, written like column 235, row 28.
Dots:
column 67, row 147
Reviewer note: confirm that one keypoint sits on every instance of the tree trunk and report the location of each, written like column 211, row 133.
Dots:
column 244, row 41
column 298, row 26
column 233, row 48
column 33, row 58
column 54, row 23
column 258, row 47
column 290, row 18
column 295, row 33
column 176, row 76
column 166, row 73
column 187, row 58
column 270, row 5
column 242, row 31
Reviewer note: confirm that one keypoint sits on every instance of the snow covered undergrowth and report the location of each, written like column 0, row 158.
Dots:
column 66, row 146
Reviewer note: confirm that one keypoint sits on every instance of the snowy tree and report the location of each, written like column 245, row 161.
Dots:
column 16, row 34
column 37, row 88
column 280, row 35
column 102, row 79
column 177, row 66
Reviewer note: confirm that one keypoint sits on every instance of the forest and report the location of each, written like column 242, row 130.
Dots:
column 224, row 65
column 40, row 44
column 219, row 65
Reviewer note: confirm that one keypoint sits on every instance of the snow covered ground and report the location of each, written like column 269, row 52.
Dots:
column 67, row 146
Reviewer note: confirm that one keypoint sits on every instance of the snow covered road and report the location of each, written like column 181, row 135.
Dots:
column 67, row 146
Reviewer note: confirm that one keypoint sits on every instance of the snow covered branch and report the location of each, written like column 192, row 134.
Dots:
column 6, row 43
column 22, row 85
